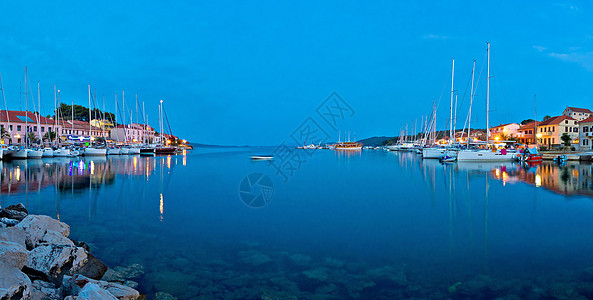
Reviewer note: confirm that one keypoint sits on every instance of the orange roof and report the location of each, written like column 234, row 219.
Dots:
column 529, row 125
column 555, row 120
column 581, row 110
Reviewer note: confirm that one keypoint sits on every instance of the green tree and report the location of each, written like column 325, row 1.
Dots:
column 547, row 117
column 4, row 134
column 566, row 140
column 49, row 136
column 526, row 121
column 32, row 137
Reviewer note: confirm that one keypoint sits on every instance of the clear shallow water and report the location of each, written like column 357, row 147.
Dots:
column 363, row 225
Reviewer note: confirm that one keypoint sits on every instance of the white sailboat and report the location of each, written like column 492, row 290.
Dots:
column 91, row 150
column 487, row 155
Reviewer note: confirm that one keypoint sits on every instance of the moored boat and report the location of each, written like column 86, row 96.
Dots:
column 92, row 151
column 48, row 152
column 348, row 146
column 165, row 150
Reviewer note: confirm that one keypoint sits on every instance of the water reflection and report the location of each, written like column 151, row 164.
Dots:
column 70, row 175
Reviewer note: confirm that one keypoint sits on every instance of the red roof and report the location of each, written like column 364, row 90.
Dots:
column 555, row 120
column 529, row 125
column 502, row 125
column 77, row 125
column 15, row 116
column 581, row 110
column 587, row 120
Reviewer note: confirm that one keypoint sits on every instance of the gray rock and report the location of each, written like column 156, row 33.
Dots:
column 57, row 260
column 320, row 274
column 254, row 258
column 93, row 268
column 9, row 222
column 17, row 212
column 37, row 226
column 14, row 235
column 130, row 283
column 300, row 260
column 92, row 291
column 121, row 274
column 388, row 273
column 13, row 254
column 164, row 296
column 14, row 284
column 45, row 291
column 76, row 284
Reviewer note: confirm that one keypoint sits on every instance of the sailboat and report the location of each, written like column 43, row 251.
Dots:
column 91, row 150
column 487, row 155
column 442, row 152
column 31, row 152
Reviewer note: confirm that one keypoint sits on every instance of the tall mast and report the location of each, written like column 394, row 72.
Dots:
column 26, row 113
column 89, row 112
column 58, row 115
column 6, row 109
column 55, row 115
column 103, row 122
column 455, row 118
column 123, row 100
column 535, row 127
column 471, row 100
column 39, row 113
column 137, row 114
column 72, row 118
column 488, row 96
column 452, row 92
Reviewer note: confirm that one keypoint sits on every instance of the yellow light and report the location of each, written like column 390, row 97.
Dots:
column 184, row 141
column 539, row 135
column 497, row 138
column 18, row 136
column 92, row 168
column 168, row 142
column 161, row 207
column 538, row 180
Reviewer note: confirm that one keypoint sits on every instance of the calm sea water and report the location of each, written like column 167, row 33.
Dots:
column 369, row 224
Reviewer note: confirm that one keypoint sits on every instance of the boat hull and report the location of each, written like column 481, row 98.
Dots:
column 19, row 154
column 147, row 151
column 165, row 150
column 485, row 155
column 94, row 152
column 48, row 153
column 113, row 151
column 35, row 153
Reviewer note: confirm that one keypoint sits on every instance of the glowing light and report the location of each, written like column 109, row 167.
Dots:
column 135, row 163
column 161, row 207
column 18, row 136
column 497, row 172
column 169, row 161
column 17, row 173
column 538, row 180
column 539, row 135
column 184, row 141
column 92, row 167
column 497, row 138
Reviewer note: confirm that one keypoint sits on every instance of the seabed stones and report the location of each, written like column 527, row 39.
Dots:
column 38, row 261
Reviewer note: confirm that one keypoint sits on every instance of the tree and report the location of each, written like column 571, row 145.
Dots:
column 32, row 137
column 547, row 117
column 4, row 134
column 526, row 121
column 49, row 136
column 566, row 139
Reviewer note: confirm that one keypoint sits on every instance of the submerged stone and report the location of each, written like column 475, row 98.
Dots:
column 320, row 274
column 254, row 258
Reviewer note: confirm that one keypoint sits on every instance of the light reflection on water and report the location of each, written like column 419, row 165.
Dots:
column 347, row 213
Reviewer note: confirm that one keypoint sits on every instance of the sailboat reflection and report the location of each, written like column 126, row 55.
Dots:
column 68, row 175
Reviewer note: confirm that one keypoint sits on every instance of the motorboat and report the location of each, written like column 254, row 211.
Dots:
column 134, row 150
column 147, row 151
column 18, row 153
column 165, row 150
column 62, row 152
column 124, row 150
column 262, row 157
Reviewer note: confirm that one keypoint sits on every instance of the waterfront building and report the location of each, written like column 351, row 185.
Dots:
column 105, row 124
column 549, row 131
column 526, row 133
column 504, row 131
column 577, row 113
column 75, row 130
column 586, row 133
column 18, row 123
column 133, row 133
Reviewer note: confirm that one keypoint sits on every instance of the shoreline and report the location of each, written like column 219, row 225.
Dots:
column 39, row 261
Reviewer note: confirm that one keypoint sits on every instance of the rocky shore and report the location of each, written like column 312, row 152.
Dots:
column 39, row 261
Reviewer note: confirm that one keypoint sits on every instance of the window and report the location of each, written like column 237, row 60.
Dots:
column 553, row 140
column 585, row 129
column 575, row 129
column 42, row 129
column 565, row 129
column 553, row 129
column 10, row 127
column 49, row 129
column 35, row 128
column 18, row 128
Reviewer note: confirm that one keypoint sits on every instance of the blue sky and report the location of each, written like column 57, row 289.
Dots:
column 250, row 72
